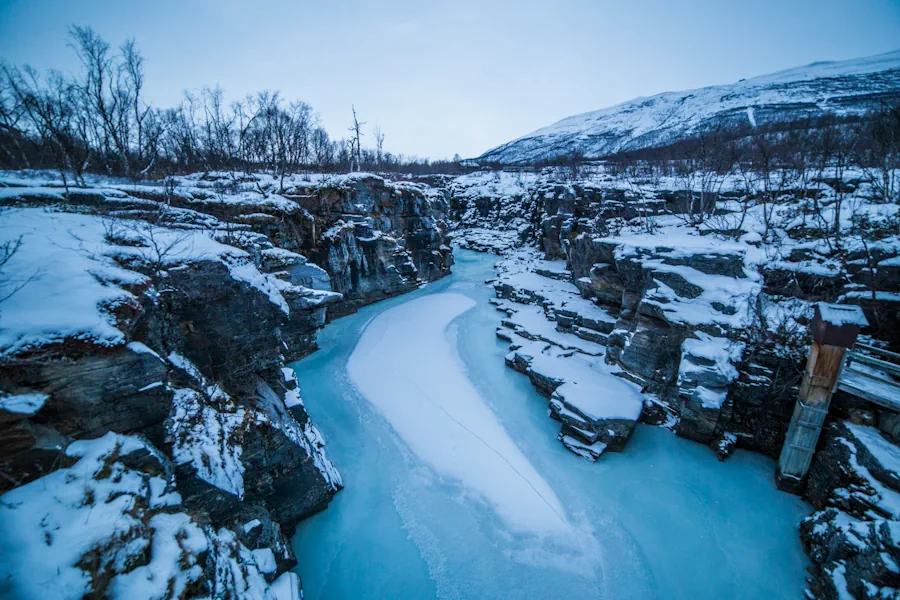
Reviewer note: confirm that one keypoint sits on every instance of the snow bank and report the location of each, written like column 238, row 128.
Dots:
column 49, row 524
column 65, row 282
column 23, row 404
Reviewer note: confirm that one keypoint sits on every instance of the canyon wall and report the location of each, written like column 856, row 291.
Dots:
column 143, row 370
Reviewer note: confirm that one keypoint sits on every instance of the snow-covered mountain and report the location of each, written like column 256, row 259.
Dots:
column 843, row 87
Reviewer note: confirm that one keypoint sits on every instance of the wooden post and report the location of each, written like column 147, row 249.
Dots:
column 834, row 329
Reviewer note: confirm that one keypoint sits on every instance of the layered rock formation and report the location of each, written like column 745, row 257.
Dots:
column 701, row 316
column 373, row 237
column 854, row 536
column 709, row 320
column 143, row 362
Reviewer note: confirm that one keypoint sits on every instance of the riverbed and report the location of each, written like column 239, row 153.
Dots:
column 458, row 488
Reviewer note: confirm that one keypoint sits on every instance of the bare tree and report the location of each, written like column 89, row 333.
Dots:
column 881, row 160
column 379, row 145
column 50, row 110
column 356, row 130
column 8, row 285
column 133, row 68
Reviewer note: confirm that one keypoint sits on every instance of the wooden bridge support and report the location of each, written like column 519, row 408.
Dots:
column 834, row 329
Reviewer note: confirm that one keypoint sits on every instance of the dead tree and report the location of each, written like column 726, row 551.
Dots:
column 379, row 145
column 357, row 134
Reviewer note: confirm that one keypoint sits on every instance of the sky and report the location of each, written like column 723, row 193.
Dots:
column 441, row 78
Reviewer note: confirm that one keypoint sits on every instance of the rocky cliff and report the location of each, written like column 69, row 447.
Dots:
column 374, row 238
column 143, row 377
column 703, row 328
column 710, row 321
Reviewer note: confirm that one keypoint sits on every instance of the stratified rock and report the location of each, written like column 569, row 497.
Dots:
column 606, row 412
column 854, row 538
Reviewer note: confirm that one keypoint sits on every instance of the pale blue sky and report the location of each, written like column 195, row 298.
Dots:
column 463, row 76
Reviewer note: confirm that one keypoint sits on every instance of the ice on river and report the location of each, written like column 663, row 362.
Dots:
column 406, row 365
column 663, row 520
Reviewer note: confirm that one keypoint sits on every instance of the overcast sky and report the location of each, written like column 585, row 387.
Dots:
column 453, row 77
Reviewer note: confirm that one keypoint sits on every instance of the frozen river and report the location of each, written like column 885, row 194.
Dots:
column 458, row 488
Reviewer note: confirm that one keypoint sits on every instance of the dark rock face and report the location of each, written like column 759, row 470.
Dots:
column 94, row 393
column 375, row 238
column 230, row 332
column 613, row 433
column 200, row 378
column 853, row 538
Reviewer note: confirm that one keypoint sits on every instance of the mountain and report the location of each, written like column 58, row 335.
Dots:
column 844, row 88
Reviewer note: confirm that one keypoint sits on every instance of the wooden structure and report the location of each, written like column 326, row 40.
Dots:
column 874, row 376
column 834, row 329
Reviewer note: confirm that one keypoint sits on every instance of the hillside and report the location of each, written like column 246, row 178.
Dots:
column 843, row 88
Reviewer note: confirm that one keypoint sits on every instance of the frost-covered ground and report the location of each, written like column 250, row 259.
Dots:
column 662, row 520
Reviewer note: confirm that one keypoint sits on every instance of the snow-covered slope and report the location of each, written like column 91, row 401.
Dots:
column 845, row 88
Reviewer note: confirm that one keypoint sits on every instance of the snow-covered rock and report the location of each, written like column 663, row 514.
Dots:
column 112, row 525
column 854, row 537
column 166, row 332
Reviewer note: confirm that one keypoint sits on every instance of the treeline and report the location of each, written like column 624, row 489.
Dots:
column 99, row 121
column 772, row 165
column 869, row 142
column 821, row 147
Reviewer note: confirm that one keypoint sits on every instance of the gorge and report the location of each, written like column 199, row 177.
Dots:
column 274, row 366
column 634, row 523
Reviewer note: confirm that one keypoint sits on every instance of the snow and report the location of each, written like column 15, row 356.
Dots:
column 660, row 119
column 879, row 295
column 69, row 285
column 609, row 397
column 678, row 242
column 251, row 525
column 151, row 386
column 206, row 439
column 485, row 239
column 716, row 367
column 588, row 451
column 406, row 366
column 291, row 396
column 70, row 282
column 842, row 314
column 176, row 540
column 50, row 523
column 887, row 499
column 23, row 404
column 531, row 319
column 286, row 587
column 141, row 348
column 886, row 453
column 265, row 560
